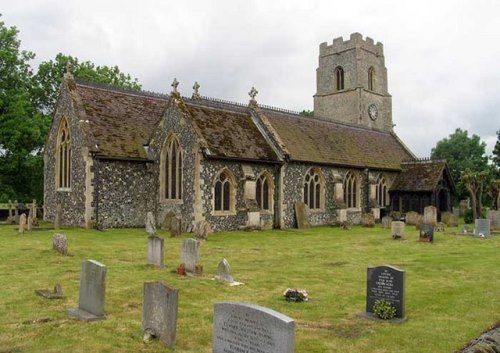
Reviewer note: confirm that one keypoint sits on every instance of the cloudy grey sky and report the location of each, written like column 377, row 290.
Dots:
column 442, row 56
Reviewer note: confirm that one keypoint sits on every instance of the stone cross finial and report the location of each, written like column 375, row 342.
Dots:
column 253, row 93
column 196, row 94
column 68, row 67
column 174, row 86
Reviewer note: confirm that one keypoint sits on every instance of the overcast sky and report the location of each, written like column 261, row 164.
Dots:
column 443, row 57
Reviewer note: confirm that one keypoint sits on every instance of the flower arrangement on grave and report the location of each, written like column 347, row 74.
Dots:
column 295, row 295
column 198, row 269
column 181, row 269
column 384, row 309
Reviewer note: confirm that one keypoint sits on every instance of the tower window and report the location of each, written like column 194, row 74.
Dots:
column 339, row 78
column 371, row 74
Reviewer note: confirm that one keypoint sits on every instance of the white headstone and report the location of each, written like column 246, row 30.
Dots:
column 482, row 228
column 398, row 229
column 190, row 254
column 224, row 272
column 155, row 250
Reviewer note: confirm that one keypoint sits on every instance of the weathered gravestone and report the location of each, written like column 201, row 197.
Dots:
column 224, row 272
column 11, row 219
column 386, row 222
column 397, row 229
column 482, row 228
column 167, row 220
column 494, row 217
column 412, row 218
column 426, row 233
column 240, row 327
column 367, row 220
column 202, row 229
column 150, row 224
column 341, row 215
column 439, row 227
column 92, row 292
column 456, row 211
column 175, row 227
column 159, row 312
column 452, row 221
column 388, row 283
column 445, row 217
column 155, row 250
column 57, row 293
column 22, row 223
column 29, row 222
column 463, row 206
column 430, row 215
column 60, row 244
column 302, row 215
column 190, row 254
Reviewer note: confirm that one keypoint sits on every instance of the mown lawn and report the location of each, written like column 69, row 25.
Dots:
column 452, row 288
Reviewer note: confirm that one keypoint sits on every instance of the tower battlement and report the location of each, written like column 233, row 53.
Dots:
column 355, row 41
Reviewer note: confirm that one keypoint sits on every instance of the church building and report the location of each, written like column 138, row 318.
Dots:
column 112, row 154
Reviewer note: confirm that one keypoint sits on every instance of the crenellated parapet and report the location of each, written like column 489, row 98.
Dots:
column 355, row 41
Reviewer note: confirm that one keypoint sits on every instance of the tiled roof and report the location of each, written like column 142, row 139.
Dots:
column 120, row 122
column 321, row 141
column 419, row 176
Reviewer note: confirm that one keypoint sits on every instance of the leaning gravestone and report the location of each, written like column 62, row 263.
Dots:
column 367, row 220
column 57, row 293
column 190, row 254
column 202, row 229
column 22, row 223
column 482, row 227
column 412, row 218
column 302, row 215
column 494, row 217
column 92, row 291
column 60, row 244
column 150, row 224
column 224, row 272
column 159, row 312
column 397, row 229
column 386, row 222
column 430, row 215
column 175, row 227
column 240, row 327
column 388, row 283
column 155, row 250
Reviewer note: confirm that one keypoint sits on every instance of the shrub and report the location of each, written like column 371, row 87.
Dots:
column 384, row 310
column 468, row 216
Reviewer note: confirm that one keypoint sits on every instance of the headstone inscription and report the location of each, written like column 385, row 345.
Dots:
column 426, row 233
column 302, row 215
column 92, row 291
column 159, row 312
column 386, row 282
column 482, row 228
column 155, row 250
column 241, row 327
column 190, row 254
column 430, row 215
column 397, row 229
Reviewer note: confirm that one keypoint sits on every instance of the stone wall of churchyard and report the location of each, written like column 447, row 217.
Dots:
column 210, row 168
column 173, row 123
column 123, row 193
column 72, row 201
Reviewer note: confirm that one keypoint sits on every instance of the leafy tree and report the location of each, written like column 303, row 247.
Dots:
column 462, row 152
column 495, row 157
column 307, row 113
column 474, row 182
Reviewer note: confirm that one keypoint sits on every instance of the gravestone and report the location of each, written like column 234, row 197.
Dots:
column 430, row 215
column 11, row 219
column 92, row 292
column 175, row 227
column 397, row 229
column 445, row 217
column 342, row 215
column 302, row 215
column 155, row 250
column 167, row 220
column 202, row 229
column 386, row 222
column 150, row 224
column 456, row 211
column 426, row 233
column 465, row 229
column 482, row 227
column 159, row 312
column 190, row 254
column 60, row 244
column 494, row 217
column 57, row 293
column 367, row 220
column 439, row 227
column 224, row 272
column 386, row 282
column 452, row 221
column 30, row 222
column 240, row 327
column 463, row 206
column 412, row 218
column 22, row 223
column 57, row 217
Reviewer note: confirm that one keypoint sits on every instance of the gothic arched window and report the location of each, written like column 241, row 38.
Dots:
column 382, row 195
column 351, row 190
column 264, row 192
column 313, row 188
column 171, row 170
column 63, row 156
column 371, row 77
column 339, row 78
column 224, row 192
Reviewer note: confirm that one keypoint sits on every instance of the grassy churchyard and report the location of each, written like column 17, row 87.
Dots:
column 452, row 288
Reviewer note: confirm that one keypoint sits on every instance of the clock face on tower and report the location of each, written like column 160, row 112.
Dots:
column 373, row 112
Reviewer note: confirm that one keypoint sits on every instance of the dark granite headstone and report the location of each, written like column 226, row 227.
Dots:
column 302, row 215
column 426, row 232
column 386, row 282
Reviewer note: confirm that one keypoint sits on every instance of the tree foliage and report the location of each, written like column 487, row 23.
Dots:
column 495, row 156
column 474, row 182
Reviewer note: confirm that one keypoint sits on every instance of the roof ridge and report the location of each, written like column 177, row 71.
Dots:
column 125, row 90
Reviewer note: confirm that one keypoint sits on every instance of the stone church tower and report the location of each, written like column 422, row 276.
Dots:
column 352, row 83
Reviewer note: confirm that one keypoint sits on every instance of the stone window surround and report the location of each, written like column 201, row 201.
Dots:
column 317, row 171
column 270, row 184
column 63, row 128
column 232, row 193
column 371, row 78
column 339, row 78
column 168, row 141
column 349, row 178
column 382, row 182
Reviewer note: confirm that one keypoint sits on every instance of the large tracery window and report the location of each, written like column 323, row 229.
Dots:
column 371, row 73
column 63, row 157
column 382, row 195
column 263, row 192
column 351, row 190
column 223, row 192
column 313, row 189
column 339, row 78
column 172, row 165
